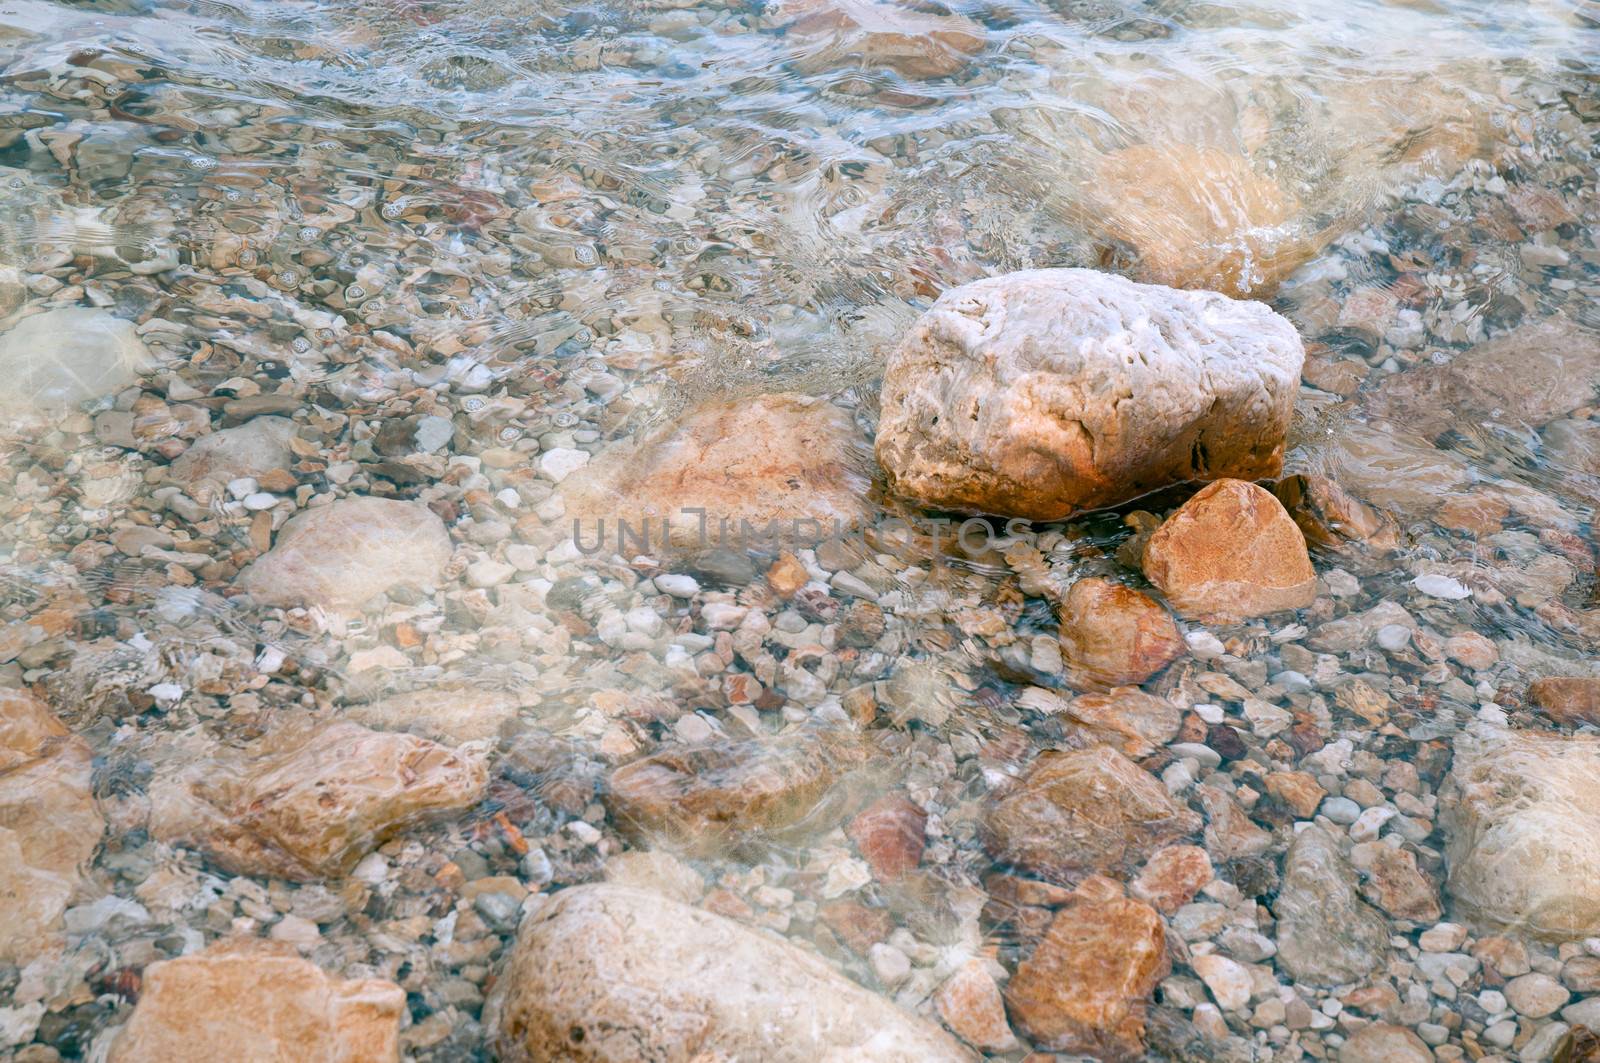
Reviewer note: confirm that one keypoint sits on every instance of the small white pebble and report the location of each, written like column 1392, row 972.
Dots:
column 677, row 585
column 1437, row 586
column 1393, row 637
column 560, row 462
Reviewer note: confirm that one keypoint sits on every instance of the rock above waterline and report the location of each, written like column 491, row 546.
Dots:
column 1090, row 810
column 309, row 801
column 49, row 825
column 1047, row 392
column 611, row 974
column 707, row 798
column 791, row 463
column 252, row 1001
column 1521, row 814
column 340, row 555
column 53, row 361
column 1327, row 935
column 1085, row 987
column 1112, row 635
column 1230, row 553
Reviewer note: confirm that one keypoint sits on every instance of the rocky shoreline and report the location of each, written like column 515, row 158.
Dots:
column 1131, row 672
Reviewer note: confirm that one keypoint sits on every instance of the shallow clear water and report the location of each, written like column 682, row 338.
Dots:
column 462, row 245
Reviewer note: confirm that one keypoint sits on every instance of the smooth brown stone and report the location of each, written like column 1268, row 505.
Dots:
column 890, row 835
column 1569, row 700
column 1172, row 877
column 49, row 824
column 1112, row 635
column 309, row 802
column 1087, row 811
column 1230, row 553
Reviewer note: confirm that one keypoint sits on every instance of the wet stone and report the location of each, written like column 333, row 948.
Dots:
column 1085, row 987
column 251, row 1000
column 1087, row 811
column 1229, row 553
column 612, row 974
column 1327, row 935
column 309, row 802
column 977, row 416
column 705, row 799
column 340, row 555
column 1112, row 635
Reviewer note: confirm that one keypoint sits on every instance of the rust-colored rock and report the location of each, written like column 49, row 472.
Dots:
column 1172, row 877
column 970, row 1004
column 1085, row 987
column 1112, row 635
column 1195, row 217
column 891, row 835
column 308, row 802
column 708, row 798
column 1298, row 790
column 257, row 1002
column 1091, row 810
column 1569, row 700
column 1230, row 553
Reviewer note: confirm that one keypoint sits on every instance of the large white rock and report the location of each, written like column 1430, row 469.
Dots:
column 55, row 360
column 1521, row 814
column 613, row 974
column 339, row 555
column 1046, row 392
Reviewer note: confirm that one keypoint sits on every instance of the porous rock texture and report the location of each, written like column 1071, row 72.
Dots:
column 1521, row 814
column 1043, row 393
column 759, row 469
column 257, row 1002
column 612, row 974
column 339, row 555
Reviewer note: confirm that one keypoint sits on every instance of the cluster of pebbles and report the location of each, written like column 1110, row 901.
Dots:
column 333, row 724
